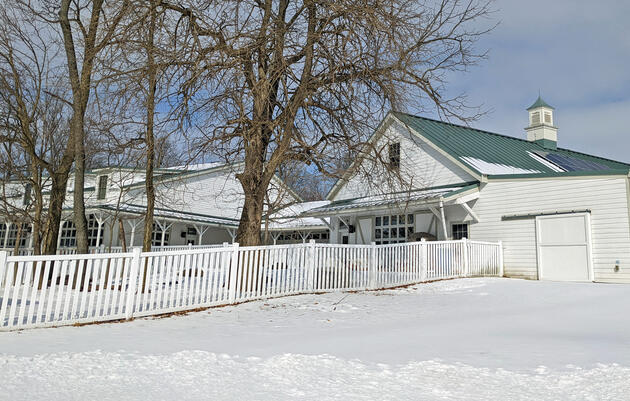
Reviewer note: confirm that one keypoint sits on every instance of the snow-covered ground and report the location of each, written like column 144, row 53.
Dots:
column 469, row 339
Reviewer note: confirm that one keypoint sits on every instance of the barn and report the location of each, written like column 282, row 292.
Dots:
column 561, row 214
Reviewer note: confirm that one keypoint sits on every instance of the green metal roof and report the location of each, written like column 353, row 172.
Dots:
column 493, row 154
column 539, row 103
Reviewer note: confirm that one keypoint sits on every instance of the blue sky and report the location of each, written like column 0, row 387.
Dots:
column 577, row 53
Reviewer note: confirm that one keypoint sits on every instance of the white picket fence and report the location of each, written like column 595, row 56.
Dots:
column 40, row 291
column 113, row 249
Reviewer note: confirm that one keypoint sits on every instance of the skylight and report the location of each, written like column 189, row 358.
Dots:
column 564, row 162
column 485, row 167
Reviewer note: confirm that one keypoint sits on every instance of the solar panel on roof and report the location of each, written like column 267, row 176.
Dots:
column 570, row 163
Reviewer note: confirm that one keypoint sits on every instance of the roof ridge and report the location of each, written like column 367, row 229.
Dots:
column 464, row 126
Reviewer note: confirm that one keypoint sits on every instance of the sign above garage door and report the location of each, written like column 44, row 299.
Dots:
column 564, row 247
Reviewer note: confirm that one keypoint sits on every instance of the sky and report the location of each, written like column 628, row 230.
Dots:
column 576, row 53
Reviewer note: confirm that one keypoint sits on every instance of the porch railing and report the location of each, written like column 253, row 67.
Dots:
column 40, row 291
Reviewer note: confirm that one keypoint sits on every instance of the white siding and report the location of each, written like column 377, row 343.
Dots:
column 606, row 197
column 421, row 166
column 215, row 193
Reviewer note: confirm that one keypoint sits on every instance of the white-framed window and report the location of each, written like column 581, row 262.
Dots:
column 11, row 239
column 392, row 229
column 459, row 230
column 156, row 235
column 547, row 117
column 69, row 233
column 102, row 187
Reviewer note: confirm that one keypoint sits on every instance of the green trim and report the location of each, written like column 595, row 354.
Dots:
column 623, row 173
column 460, row 191
column 547, row 143
column 540, row 103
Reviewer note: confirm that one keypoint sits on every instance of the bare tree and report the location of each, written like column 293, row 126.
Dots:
column 95, row 25
column 141, row 69
column 307, row 81
column 34, row 135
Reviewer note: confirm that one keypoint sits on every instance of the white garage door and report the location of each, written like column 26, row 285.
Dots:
column 564, row 249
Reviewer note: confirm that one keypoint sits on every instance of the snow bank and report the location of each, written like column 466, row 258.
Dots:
column 200, row 375
column 472, row 339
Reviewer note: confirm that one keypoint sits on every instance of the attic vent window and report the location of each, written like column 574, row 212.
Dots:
column 102, row 187
column 536, row 117
column 394, row 155
column 547, row 118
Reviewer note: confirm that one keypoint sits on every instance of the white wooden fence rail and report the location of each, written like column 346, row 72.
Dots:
column 40, row 291
column 113, row 249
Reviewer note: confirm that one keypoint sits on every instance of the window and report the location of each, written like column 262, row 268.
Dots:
column 93, row 237
column 156, row 235
column 27, row 194
column 69, row 233
column 102, row 187
column 394, row 155
column 547, row 118
column 460, row 231
column 536, row 117
column 393, row 229
column 11, row 239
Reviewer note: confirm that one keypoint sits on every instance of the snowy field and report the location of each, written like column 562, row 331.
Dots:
column 468, row 339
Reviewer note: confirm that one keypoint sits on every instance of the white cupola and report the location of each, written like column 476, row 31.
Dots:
column 541, row 129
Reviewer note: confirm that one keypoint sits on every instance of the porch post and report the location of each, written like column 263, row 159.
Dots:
column 232, row 233
column 443, row 220
column 30, row 240
column 59, row 234
column 6, row 234
column 163, row 234
column 98, row 231
column 133, row 234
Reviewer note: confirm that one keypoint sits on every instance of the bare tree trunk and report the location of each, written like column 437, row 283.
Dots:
column 18, row 238
column 55, row 207
column 121, row 235
column 80, row 81
column 152, row 71
column 80, row 221
column 255, row 186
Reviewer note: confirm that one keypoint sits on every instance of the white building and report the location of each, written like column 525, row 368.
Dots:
column 561, row 215
column 196, row 204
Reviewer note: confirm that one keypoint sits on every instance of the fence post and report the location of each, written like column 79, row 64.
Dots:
column 233, row 270
column 501, row 272
column 3, row 267
column 311, row 265
column 372, row 268
column 133, row 283
column 424, row 259
column 466, row 259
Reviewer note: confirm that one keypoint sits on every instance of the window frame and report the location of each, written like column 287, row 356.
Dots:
column 28, row 189
column 460, row 224
column 389, row 233
column 101, row 187
column 393, row 152
column 156, row 240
